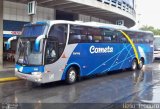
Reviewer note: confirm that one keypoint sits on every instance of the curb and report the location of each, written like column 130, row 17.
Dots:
column 9, row 79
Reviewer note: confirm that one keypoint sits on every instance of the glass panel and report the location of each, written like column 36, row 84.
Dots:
column 51, row 52
column 108, row 35
column 140, row 37
column 121, row 37
column 59, row 32
column 79, row 34
column 25, row 52
column 33, row 30
column 97, row 35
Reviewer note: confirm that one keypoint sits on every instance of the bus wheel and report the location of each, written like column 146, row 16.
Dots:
column 71, row 75
column 140, row 65
column 134, row 64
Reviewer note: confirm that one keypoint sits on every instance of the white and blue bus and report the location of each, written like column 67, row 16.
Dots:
column 66, row 50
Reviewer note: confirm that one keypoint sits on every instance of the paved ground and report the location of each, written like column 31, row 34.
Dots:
column 117, row 87
column 7, row 70
column 6, row 74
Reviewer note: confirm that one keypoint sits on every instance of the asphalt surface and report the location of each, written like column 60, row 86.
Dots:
column 104, row 91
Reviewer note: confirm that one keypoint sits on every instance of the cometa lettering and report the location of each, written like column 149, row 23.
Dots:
column 94, row 49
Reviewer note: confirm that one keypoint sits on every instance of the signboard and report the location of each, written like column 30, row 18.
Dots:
column 120, row 22
column 16, row 32
column 8, row 34
column 32, row 7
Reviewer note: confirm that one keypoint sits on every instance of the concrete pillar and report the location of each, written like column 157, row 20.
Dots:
column 1, row 32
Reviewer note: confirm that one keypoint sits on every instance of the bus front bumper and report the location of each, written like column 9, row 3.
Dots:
column 29, row 77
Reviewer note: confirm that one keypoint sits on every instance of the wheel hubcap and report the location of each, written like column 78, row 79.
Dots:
column 134, row 65
column 72, row 75
column 141, row 64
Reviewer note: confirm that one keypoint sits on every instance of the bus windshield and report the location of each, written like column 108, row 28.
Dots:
column 26, row 47
column 33, row 30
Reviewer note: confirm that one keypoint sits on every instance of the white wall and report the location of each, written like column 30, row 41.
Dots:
column 86, row 18
column 18, row 12
column 94, row 19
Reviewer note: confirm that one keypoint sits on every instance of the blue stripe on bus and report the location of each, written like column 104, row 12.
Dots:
column 28, row 70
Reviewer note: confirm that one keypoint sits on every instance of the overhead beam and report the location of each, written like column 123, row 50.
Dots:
column 68, row 6
column 51, row 3
column 59, row 4
column 44, row 1
column 83, row 8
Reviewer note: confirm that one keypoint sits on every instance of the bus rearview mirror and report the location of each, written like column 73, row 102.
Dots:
column 37, row 42
column 8, row 43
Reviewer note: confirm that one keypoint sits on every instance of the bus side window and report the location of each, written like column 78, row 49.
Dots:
column 74, row 38
column 59, row 32
column 97, row 35
column 90, row 38
column 113, row 38
column 107, row 39
column 84, row 38
column 84, row 34
column 106, row 34
column 97, row 38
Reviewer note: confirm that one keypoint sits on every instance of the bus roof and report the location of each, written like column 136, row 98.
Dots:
column 141, row 31
column 51, row 22
column 92, row 24
column 103, row 25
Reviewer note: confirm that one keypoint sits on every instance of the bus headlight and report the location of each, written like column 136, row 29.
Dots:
column 37, row 74
column 16, row 70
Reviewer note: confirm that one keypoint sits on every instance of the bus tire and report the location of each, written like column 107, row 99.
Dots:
column 71, row 76
column 134, row 65
column 140, row 65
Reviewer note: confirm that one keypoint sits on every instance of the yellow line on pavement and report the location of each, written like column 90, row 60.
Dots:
column 133, row 45
column 9, row 79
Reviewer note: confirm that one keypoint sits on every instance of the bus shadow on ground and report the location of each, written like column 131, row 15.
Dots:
column 82, row 79
column 110, row 73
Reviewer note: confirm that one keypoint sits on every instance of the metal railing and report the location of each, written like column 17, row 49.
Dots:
column 120, row 4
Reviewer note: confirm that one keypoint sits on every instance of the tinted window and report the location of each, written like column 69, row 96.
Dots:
column 33, row 30
column 120, row 37
column 140, row 37
column 59, row 32
column 85, row 34
column 78, row 34
column 113, row 36
column 51, row 54
column 97, row 34
column 108, row 35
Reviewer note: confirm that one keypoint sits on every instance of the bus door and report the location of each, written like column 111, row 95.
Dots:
column 51, row 54
column 56, row 42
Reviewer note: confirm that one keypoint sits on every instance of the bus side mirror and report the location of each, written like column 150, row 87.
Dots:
column 37, row 42
column 8, row 43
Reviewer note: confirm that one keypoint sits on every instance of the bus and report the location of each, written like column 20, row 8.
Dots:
column 67, row 50
column 156, row 47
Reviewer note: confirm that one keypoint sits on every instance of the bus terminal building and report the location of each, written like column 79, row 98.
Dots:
column 14, row 15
